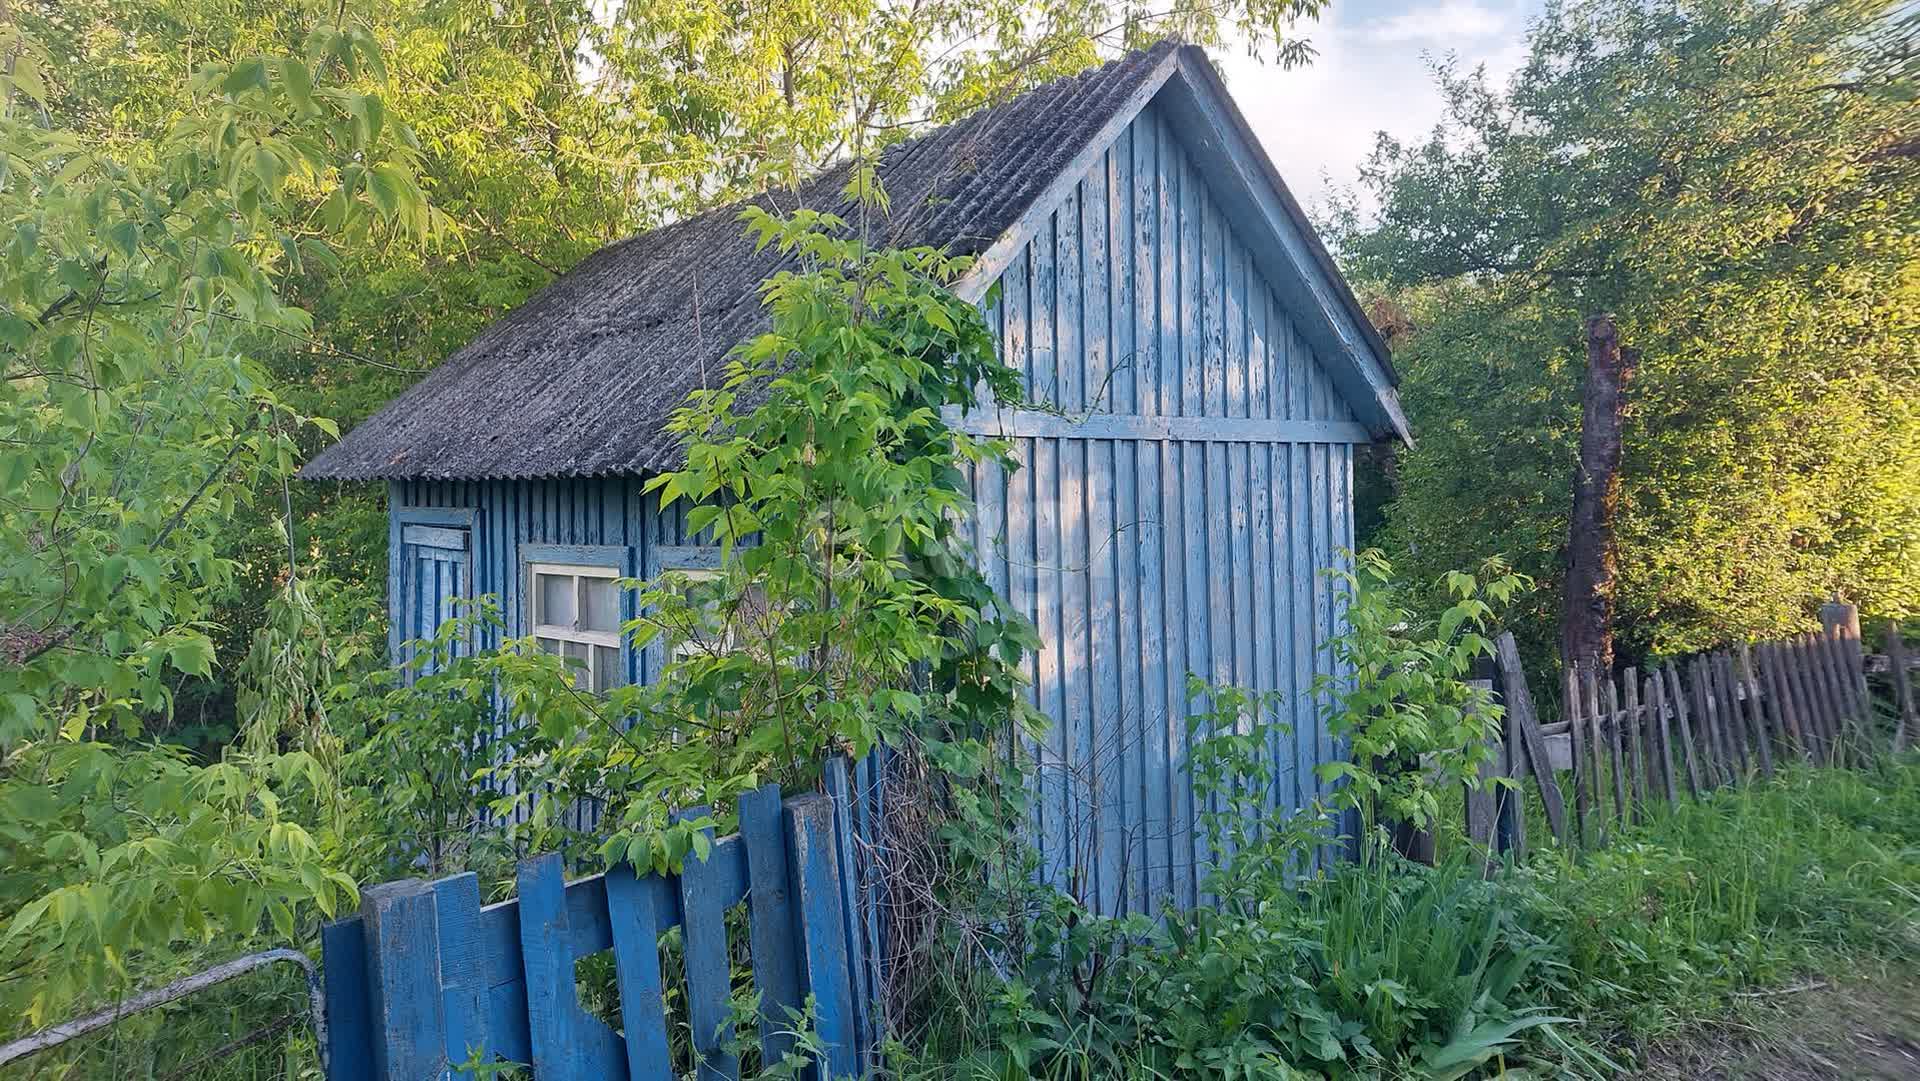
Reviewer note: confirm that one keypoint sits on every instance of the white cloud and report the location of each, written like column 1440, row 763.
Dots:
column 1370, row 75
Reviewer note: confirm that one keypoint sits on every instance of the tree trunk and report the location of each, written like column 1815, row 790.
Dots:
column 1586, row 626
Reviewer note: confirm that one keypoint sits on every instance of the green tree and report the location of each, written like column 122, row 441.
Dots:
column 1736, row 181
column 133, row 424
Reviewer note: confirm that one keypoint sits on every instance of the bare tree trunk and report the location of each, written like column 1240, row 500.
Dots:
column 1586, row 626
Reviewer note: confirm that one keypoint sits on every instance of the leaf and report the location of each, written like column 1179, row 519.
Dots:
column 297, row 81
column 245, row 76
column 193, row 656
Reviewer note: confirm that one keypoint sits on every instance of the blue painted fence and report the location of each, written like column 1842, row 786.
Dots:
column 425, row 979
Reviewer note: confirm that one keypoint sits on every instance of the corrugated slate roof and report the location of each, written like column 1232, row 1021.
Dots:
column 581, row 378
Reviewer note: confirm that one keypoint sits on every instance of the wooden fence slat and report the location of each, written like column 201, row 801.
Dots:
column 703, row 929
column 1615, row 722
column 1658, row 731
column 1713, row 752
column 1596, row 757
column 1574, row 701
column 1788, row 653
column 1756, row 713
column 1902, row 688
column 812, row 861
column 1731, row 726
column 1799, row 663
column 463, row 971
column 636, row 960
column 1636, row 724
column 1719, row 748
column 1847, row 708
column 1526, row 718
column 551, row 998
column 773, row 932
column 1782, row 694
column 404, row 979
column 350, row 1031
column 1510, row 814
column 1677, row 697
column 837, row 778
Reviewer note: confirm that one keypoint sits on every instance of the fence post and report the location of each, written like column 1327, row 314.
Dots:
column 1842, row 623
column 403, row 969
column 826, row 959
column 776, row 964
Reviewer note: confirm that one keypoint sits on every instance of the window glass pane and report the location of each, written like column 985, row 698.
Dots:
column 607, row 673
column 578, row 652
column 556, row 599
column 603, row 604
column 551, row 645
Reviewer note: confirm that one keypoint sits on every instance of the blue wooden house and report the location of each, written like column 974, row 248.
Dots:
column 1212, row 375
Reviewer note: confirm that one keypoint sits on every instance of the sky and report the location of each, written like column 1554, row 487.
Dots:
column 1370, row 74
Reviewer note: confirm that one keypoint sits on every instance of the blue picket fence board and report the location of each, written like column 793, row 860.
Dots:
column 776, row 970
column 343, row 957
column 463, row 973
column 837, row 780
column 634, row 920
column 425, row 980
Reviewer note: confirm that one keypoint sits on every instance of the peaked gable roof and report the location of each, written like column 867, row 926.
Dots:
column 581, row 379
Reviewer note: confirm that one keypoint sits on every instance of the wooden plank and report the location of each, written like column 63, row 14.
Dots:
column 772, row 931
column 1635, row 722
column 463, row 971
column 1510, row 814
column 1726, row 723
column 567, row 1044
column 1781, row 660
column 837, row 780
column 404, row 980
column 825, row 961
column 703, row 927
column 1903, row 696
column 1594, row 758
column 1758, row 729
column 1661, row 735
column 1782, row 695
column 1833, row 665
column 1677, row 696
column 1573, row 703
column 1526, row 721
column 1479, row 798
column 349, row 998
column 1738, row 728
column 1707, row 724
column 636, row 958
column 1794, row 653
column 1616, row 723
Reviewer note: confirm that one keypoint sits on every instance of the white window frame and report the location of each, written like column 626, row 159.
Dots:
column 573, row 632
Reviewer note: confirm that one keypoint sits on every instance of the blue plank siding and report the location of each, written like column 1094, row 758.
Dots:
column 1175, row 519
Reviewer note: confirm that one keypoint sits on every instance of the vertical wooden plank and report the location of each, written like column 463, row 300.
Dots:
column 703, row 930
column 1634, row 721
column 1656, row 695
column 349, row 996
column 1794, row 665
column 1838, row 689
column 1677, row 698
column 548, row 962
column 772, row 932
column 1705, row 726
column 1616, row 723
column 1759, row 730
column 1510, row 816
column 1479, row 798
column 1525, row 719
column 404, row 977
column 825, row 957
column 1595, row 756
column 636, row 959
column 1779, row 697
column 463, row 971
column 1574, row 701
column 1734, row 714
column 853, row 895
column 1903, row 696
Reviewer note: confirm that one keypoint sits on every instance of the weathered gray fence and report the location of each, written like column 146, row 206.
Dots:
column 1635, row 738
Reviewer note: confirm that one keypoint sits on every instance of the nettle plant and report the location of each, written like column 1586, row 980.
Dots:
column 1412, row 723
